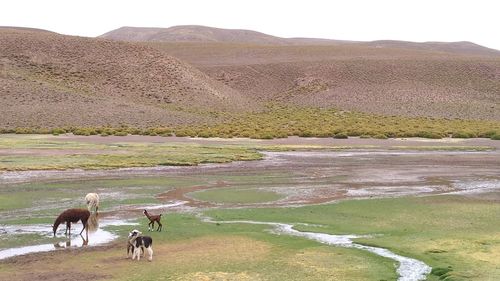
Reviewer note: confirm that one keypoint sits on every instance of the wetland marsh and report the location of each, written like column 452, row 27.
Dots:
column 436, row 202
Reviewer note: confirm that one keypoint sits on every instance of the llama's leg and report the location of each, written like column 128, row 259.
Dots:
column 68, row 228
column 84, row 222
column 86, row 234
column 150, row 253
column 149, row 225
column 134, row 253
column 160, row 226
column 138, row 253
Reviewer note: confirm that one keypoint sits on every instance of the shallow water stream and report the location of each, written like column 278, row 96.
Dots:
column 408, row 269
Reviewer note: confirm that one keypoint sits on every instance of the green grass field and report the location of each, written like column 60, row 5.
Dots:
column 453, row 234
column 50, row 154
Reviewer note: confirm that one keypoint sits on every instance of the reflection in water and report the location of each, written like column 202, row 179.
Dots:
column 93, row 223
column 96, row 236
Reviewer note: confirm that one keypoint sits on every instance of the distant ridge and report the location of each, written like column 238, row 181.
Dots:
column 198, row 33
column 205, row 34
column 463, row 47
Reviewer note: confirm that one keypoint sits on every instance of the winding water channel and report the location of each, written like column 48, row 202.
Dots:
column 408, row 269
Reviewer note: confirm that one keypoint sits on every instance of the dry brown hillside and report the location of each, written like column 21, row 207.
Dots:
column 49, row 80
column 206, row 34
column 52, row 80
column 191, row 33
column 391, row 80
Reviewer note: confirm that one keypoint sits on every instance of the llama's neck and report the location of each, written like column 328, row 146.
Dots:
column 58, row 221
column 132, row 240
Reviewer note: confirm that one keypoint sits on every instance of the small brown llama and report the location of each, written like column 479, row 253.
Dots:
column 152, row 220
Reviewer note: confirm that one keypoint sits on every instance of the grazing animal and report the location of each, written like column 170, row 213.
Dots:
column 92, row 200
column 140, row 244
column 152, row 220
column 72, row 216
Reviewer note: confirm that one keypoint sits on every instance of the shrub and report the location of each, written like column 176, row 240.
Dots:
column 487, row 134
column 305, row 134
column 340, row 136
column 44, row 131
column 204, row 134
column 429, row 135
column 7, row 131
column 23, row 131
column 121, row 133
column 81, row 132
column 108, row 131
column 135, row 131
column 462, row 135
column 266, row 136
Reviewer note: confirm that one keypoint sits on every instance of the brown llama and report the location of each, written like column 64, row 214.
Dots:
column 152, row 220
column 72, row 216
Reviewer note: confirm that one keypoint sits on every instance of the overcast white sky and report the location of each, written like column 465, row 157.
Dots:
column 417, row 20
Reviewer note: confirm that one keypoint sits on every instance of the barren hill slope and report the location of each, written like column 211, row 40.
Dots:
column 205, row 34
column 191, row 33
column 48, row 80
column 385, row 80
column 464, row 47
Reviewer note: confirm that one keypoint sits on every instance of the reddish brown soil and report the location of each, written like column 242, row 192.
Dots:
column 179, row 194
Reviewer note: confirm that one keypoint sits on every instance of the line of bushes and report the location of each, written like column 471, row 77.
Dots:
column 281, row 122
